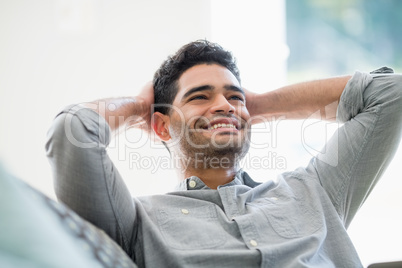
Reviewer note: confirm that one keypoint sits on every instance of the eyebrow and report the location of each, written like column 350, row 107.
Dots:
column 209, row 87
column 234, row 88
column 197, row 89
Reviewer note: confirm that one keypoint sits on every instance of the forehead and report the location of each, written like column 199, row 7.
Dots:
column 205, row 74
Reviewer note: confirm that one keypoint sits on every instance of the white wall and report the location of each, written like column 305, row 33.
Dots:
column 54, row 53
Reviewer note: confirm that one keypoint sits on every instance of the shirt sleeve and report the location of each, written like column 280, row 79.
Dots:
column 85, row 178
column 356, row 156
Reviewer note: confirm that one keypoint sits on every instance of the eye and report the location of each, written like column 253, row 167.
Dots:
column 198, row 97
column 236, row 97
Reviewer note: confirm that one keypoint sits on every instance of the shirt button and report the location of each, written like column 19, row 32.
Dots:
column 253, row 243
column 192, row 184
column 184, row 211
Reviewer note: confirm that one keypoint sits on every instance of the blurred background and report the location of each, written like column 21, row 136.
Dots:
column 57, row 52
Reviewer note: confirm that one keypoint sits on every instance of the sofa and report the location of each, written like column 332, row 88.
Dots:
column 37, row 231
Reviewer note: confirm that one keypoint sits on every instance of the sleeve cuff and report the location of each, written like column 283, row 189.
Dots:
column 91, row 120
column 351, row 102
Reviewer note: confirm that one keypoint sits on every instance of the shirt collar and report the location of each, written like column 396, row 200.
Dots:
column 195, row 183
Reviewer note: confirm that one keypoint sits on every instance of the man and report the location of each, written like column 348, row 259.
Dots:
column 219, row 216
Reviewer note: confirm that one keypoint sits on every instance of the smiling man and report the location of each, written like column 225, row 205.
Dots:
column 218, row 216
column 208, row 121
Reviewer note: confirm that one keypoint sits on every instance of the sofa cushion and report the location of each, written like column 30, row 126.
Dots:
column 37, row 231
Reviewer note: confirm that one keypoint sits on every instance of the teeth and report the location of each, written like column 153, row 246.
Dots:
column 222, row 126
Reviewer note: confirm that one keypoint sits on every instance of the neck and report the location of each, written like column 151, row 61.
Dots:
column 213, row 172
column 212, row 177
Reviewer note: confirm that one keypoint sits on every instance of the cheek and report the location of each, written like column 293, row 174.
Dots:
column 183, row 118
column 194, row 114
column 244, row 114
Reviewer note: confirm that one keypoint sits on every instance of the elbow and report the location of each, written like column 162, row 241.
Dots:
column 386, row 90
column 78, row 128
column 392, row 94
column 55, row 135
column 396, row 85
column 69, row 134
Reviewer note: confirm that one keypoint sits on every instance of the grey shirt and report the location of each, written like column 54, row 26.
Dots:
column 297, row 220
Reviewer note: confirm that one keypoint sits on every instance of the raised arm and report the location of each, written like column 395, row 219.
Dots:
column 84, row 176
column 353, row 160
column 314, row 99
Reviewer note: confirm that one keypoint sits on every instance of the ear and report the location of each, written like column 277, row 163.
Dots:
column 160, row 124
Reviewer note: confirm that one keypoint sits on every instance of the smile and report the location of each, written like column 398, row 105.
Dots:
column 223, row 125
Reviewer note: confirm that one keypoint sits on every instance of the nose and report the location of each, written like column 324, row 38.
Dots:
column 222, row 105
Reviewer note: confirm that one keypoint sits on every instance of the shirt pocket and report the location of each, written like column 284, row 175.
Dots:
column 290, row 216
column 190, row 228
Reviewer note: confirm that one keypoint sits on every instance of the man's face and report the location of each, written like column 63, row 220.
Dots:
column 209, row 113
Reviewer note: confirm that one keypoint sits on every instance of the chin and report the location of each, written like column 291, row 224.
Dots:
column 220, row 144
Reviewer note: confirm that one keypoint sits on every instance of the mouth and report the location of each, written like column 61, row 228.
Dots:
column 223, row 124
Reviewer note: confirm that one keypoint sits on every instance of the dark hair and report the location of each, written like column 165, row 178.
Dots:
column 194, row 53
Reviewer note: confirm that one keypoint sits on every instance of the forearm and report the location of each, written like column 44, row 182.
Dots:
column 121, row 112
column 314, row 99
